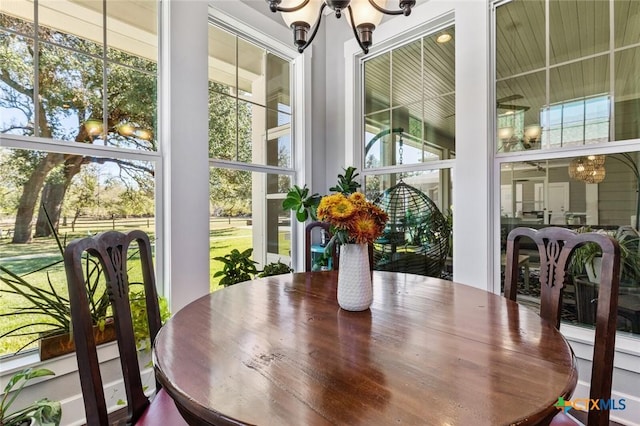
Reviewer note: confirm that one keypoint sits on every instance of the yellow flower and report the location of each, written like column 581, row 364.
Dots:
column 335, row 208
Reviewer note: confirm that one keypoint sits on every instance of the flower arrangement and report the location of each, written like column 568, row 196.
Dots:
column 353, row 219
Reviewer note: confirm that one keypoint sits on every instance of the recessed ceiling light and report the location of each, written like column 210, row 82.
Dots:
column 443, row 38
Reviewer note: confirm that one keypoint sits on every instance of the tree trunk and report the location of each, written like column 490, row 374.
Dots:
column 53, row 196
column 30, row 192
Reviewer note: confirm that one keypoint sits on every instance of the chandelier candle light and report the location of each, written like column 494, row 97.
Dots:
column 364, row 16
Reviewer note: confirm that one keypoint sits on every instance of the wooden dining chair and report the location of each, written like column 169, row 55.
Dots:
column 335, row 251
column 308, row 242
column 111, row 251
column 555, row 246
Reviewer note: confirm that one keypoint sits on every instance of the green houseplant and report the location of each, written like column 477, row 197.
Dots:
column 238, row 267
column 586, row 259
column 275, row 268
column 42, row 412
column 52, row 307
column 46, row 306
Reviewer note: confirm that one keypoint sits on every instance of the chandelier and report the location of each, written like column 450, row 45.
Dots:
column 589, row 169
column 364, row 15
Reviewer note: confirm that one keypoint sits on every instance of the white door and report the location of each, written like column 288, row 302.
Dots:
column 558, row 202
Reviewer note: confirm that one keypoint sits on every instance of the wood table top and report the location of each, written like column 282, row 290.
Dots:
column 279, row 351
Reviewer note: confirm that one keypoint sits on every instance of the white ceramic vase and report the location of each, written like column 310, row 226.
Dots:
column 355, row 291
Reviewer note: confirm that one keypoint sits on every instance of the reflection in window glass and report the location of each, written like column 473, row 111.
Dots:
column 625, row 11
column 17, row 112
column 577, row 122
column 80, row 196
column 246, row 213
column 72, row 88
column 249, row 102
column 577, row 28
column 419, row 80
column 569, row 96
column 627, row 83
column 591, row 192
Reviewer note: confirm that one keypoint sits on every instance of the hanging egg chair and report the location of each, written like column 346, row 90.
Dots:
column 416, row 238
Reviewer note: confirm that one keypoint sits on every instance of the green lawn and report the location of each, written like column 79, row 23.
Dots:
column 20, row 259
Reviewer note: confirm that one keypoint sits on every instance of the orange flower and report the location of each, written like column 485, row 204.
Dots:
column 353, row 217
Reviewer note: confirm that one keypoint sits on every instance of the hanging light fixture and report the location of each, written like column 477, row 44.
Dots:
column 589, row 169
column 364, row 16
column 596, row 175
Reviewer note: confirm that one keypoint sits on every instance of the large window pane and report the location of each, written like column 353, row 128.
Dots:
column 246, row 213
column 567, row 99
column 417, row 236
column 79, row 196
column 596, row 192
column 71, row 72
column 249, row 102
column 420, row 126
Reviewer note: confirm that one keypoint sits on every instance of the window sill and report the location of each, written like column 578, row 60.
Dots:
column 627, row 346
column 61, row 365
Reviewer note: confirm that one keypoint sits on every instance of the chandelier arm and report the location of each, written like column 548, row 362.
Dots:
column 355, row 31
column 315, row 29
column 405, row 5
column 273, row 5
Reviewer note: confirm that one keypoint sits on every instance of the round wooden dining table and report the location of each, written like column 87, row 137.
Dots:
column 280, row 351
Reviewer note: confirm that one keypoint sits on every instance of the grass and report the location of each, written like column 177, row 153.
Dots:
column 224, row 236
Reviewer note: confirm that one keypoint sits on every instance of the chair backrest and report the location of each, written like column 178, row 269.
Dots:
column 308, row 242
column 335, row 250
column 555, row 246
column 111, row 250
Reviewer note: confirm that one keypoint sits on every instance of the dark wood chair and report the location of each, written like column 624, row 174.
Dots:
column 308, row 242
column 335, row 252
column 555, row 246
column 111, row 250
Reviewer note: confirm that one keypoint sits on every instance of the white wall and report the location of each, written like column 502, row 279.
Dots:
column 185, row 116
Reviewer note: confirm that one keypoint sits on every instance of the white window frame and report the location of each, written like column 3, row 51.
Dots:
column 300, row 66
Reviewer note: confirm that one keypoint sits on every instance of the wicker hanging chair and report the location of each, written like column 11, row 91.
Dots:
column 416, row 238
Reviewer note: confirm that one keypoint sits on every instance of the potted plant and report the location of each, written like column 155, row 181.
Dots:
column 275, row 268
column 305, row 205
column 138, row 306
column 42, row 412
column 587, row 259
column 238, row 267
column 45, row 302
